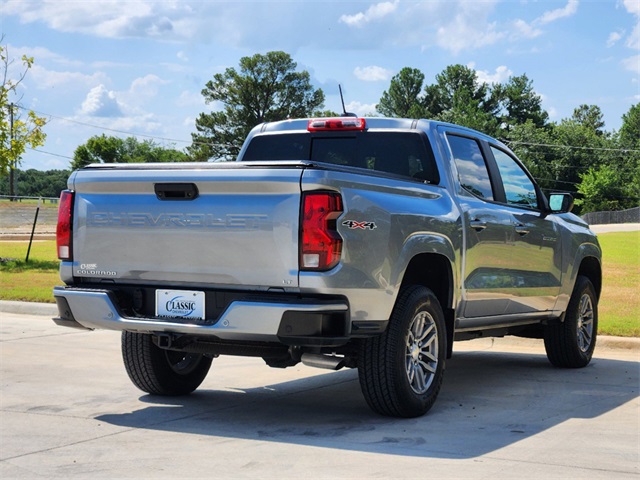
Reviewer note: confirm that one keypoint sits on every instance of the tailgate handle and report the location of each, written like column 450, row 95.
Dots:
column 176, row 191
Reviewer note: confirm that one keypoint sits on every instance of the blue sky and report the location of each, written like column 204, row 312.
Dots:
column 137, row 68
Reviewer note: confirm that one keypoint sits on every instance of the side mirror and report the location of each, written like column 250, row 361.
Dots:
column 560, row 202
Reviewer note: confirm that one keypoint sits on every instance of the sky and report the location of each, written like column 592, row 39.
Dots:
column 137, row 68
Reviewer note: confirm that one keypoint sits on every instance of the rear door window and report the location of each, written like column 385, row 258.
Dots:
column 472, row 167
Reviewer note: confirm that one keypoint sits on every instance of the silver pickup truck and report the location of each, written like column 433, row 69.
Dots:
column 368, row 243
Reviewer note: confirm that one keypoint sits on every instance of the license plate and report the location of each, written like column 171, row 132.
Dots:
column 180, row 304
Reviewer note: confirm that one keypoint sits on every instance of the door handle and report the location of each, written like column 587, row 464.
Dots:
column 478, row 225
column 176, row 191
column 521, row 230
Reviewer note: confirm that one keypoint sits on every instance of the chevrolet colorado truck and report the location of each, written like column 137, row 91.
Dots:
column 368, row 243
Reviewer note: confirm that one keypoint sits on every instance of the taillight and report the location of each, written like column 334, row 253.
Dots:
column 320, row 243
column 336, row 124
column 64, row 230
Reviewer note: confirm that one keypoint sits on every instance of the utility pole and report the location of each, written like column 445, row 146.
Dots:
column 12, row 187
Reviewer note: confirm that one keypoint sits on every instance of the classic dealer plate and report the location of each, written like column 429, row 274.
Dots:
column 180, row 304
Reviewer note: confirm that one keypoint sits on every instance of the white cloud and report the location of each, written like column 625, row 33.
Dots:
column 466, row 32
column 361, row 109
column 146, row 86
column 182, row 56
column 501, row 74
column 531, row 30
column 523, row 29
column 41, row 54
column 44, row 78
column 632, row 64
column 552, row 15
column 101, row 102
column 551, row 110
column 633, row 41
column 372, row 73
column 190, row 99
column 374, row 12
column 146, row 123
column 114, row 19
column 614, row 37
column 632, row 6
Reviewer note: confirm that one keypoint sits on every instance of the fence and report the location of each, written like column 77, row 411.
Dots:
column 631, row 215
column 17, row 217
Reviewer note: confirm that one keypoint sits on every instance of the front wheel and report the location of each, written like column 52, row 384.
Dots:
column 570, row 344
column 162, row 372
column 401, row 370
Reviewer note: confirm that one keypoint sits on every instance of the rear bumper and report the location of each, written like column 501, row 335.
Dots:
column 295, row 322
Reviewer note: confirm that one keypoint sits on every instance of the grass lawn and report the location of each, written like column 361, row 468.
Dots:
column 619, row 309
column 619, row 304
column 33, row 281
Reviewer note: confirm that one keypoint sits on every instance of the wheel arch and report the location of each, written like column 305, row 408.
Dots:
column 435, row 272
column 590, row 267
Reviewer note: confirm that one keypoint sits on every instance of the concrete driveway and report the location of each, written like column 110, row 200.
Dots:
column 68, row 410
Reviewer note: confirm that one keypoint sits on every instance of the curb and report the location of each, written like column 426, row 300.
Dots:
column 51, row 310
column 28, row 308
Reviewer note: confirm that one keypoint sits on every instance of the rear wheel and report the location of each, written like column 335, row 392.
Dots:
column 162, row 372
column 401, row 370
column 570, row 344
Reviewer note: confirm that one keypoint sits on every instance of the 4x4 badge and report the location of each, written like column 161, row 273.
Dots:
column 352, row 224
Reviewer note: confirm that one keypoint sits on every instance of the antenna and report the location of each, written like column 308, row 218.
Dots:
column 344, row 110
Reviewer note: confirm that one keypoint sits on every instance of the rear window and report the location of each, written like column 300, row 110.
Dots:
column 399, row 153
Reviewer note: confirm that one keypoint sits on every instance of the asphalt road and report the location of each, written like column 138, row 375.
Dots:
column 68, row 410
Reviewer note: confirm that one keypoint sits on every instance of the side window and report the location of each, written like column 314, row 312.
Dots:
column 518, row 187
column 471, row 165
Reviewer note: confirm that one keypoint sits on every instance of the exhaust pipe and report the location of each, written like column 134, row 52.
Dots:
column 322, row 361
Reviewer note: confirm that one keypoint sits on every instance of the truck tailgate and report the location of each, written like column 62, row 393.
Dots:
column 202, row 226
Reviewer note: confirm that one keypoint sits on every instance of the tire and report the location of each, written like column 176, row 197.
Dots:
column 162, row 372
column 570, row 344
column 401, row 370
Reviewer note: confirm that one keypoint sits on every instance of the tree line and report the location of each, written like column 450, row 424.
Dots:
column 576, row 154
column 36, row 183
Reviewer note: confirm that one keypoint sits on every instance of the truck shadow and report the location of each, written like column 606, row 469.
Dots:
column 489, row 400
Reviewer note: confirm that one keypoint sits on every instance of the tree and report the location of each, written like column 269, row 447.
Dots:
column 108, row 149
column 458, row 97
column 36, row 183
column 16, row 132
column 602, row 190
column 580, row 147
column 403, row 99
column 630, row 130
column 590, row 117
column 519, row 103
column 534, row 146
column 266, row 88
column 454, row 82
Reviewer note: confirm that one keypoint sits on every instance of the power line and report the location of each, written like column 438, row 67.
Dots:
column 166, row 139
column 125, row 132
column 50, row 153
column 622, row 150
column 99, row 127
